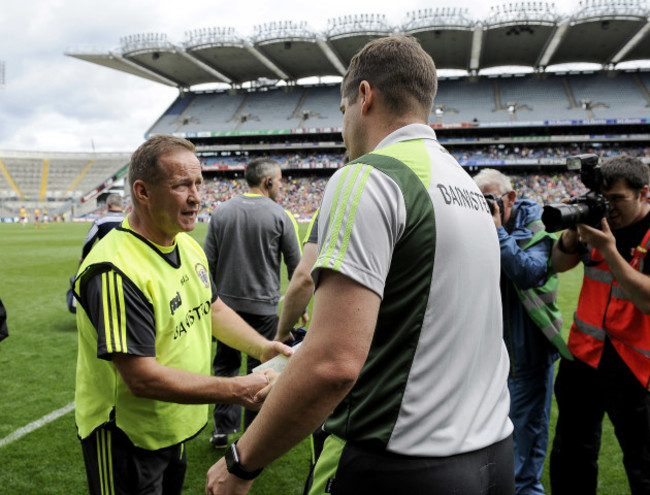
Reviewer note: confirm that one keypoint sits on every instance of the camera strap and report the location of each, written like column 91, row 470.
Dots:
column 639, row 253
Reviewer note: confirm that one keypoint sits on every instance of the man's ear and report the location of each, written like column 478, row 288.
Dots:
column 512, row 196
column 140, row 191
column 367, row 95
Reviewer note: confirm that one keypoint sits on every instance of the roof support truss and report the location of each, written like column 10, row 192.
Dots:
column 636, row 39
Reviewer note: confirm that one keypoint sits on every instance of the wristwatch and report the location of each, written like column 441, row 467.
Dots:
column 234, row 467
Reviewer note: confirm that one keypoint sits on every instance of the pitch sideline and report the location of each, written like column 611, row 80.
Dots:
column 35, row 425
column 48, row 418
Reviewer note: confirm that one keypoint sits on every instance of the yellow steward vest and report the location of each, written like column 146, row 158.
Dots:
column 181, row 301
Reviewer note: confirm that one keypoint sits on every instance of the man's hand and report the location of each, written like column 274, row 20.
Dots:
column 496, row 214
column 221, row 482
column 603, row 240
column 251, row 389
column 271, row 376
column 272, row 348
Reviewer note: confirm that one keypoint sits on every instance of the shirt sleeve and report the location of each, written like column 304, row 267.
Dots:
column 362, row 217
column 121, row 314
column 526, row 268
column 211, row 246
column 90, row 239
column 312, row 233
column 213, row 286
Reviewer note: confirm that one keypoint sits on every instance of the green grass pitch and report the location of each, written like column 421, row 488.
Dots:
column 37, row 365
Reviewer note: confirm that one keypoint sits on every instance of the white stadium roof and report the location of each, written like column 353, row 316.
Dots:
column 532, row 34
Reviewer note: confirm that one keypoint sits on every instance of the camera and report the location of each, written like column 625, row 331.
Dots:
column 590, row 208
column 491, row 199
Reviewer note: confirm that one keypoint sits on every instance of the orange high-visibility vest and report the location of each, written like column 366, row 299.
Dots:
column 604, row 310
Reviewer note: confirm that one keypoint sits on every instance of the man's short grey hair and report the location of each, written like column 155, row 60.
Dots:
column 114, row 200
column 259, row 168
column 144, row 161
column 491, row 177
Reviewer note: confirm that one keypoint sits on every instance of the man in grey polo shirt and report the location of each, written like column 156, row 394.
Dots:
column 247, row 238
column 404, row 359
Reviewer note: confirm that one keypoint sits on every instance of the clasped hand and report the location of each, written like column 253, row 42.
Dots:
column 603, row 240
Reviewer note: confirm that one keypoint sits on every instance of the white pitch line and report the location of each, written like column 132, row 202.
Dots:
column 35, row 425
column 48, row 418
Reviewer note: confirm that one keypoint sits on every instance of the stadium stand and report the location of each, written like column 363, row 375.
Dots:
column 539, row 98
column 172, row 121
column 321, row 107
column 490, row 100
column 58, row 180
column 272, row 109
column 610, row 95
column 468, row 100
column 525, row 123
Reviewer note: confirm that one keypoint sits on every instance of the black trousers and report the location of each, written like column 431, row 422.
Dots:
column 227, row 362
column 114, row 465
column 584, row 395
column 487, row 471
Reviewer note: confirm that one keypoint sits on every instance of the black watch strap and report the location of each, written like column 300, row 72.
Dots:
column 234, row 466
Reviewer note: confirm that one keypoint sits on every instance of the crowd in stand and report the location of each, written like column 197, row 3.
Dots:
column 302, row 195
column 286, row 160
column 299, row 195
column 547, row 188
column 513, row 152
column 298, row 159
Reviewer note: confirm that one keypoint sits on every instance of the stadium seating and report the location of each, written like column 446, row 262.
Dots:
column 272, row 109
column 609, row 96
column 212, row 112
column 466, row 100
column 299, row 126
column 526, row 98
column 539, row 99
column 321, row 106
column 54, row 179
column 26, row 175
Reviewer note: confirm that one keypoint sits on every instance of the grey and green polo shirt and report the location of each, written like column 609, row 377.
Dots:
column 407, row 222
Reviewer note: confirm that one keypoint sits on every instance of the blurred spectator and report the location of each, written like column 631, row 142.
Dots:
column 103, row 225
column 4, row 332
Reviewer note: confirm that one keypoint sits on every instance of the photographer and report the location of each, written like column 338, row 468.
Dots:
column 528, row 295
column 610, row 337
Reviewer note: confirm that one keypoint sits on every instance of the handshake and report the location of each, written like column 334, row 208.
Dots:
column 280, row 361
column 269, row 370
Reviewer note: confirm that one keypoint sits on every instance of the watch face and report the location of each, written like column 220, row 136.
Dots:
column 230, row 458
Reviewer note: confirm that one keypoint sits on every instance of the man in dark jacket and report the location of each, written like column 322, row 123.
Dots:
column 103, row 225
